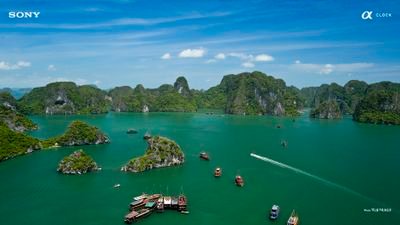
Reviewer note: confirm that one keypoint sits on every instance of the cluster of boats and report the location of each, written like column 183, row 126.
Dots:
column 274, row 214
column 143, row 205
column 218, row 171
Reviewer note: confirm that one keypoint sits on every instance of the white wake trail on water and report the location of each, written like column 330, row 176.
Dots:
column 326, row 182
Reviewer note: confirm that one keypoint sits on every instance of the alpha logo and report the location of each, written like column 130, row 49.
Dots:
column 23, row 15
column 367, row 15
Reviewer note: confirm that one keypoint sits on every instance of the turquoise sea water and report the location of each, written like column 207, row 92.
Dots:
column 353, row 167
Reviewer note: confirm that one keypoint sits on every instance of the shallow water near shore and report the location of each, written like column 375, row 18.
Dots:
column 363, row 158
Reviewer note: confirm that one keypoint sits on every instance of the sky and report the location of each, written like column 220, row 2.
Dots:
column 121, row 42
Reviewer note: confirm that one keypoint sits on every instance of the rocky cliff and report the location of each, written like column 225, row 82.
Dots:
column 381, row 104
column 77, row 163
column 79, row 133
column 64, row 98
column 161, row 152
column 327, row 110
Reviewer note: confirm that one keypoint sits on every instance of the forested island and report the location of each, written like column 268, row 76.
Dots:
column 14, row 142
column 77, row 163
column 245, row 94
column 161, row 152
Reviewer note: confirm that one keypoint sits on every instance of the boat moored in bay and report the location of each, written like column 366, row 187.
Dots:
column 239, row 181
column 182, row 203
column 217, row 172
column 274, row 213
column 204, row 155
column 293, row 219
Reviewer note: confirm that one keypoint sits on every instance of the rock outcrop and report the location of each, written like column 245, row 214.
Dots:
column 77, row 163
column 327, row 110
column 64, row 98
column 161, row 152
column 79, row 133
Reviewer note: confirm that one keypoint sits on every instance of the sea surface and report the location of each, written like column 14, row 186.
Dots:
column 334, row 172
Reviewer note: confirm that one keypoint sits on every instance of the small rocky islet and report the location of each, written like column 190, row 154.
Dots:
column 161, row 152
column 77, row 163
column 79, row 133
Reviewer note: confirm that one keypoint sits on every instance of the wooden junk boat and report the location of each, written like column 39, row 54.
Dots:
column 204, row 155
column 182, row 203
column 293, row 219
column 217, row 172
column 239, row 181
column 137, row 204
column 160, row 205
column 135, row 215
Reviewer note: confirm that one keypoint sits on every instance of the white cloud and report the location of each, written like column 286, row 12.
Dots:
column 51, row 68
column 326, row 69
column 192, row 53
column 264, row 58
column 211, row 61
column 19, row 65
column 166, row 56
column 330, row 68
column 248, row 64
column 241, row 56
column 220, row 56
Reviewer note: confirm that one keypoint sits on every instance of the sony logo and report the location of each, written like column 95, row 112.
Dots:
column 23, row 15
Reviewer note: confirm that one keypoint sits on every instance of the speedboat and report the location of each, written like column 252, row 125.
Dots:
column 274, row 213
column 204, row 155
column 117, row 185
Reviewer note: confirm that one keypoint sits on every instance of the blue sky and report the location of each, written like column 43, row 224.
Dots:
column 120, row 42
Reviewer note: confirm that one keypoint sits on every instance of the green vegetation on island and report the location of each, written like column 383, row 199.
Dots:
column 377, row 103
column 245, row 94
column 77, row 163
column 78, row 133
column 64, row 98
column 15, row 120
column 257, row 93
column 327, row 110
column 381, row 105
column 13, row 143
column 161, row 152
column 166, row 98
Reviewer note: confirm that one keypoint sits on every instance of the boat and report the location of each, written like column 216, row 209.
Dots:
column 153, row 197
column 274, row 213
column 182, row 203
column 217, row 172
column 117, row 185
column 137, row 204
column 293, row 219
column 130, row 217
column 167, row 202
column 284, row 144
column 131, row 131
column 150, row 205
column 239, row 181
column 174, row 202
column 185, row 212
column 204, row 155
column 140, row 197
column 142, row 213
column 160, row 205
